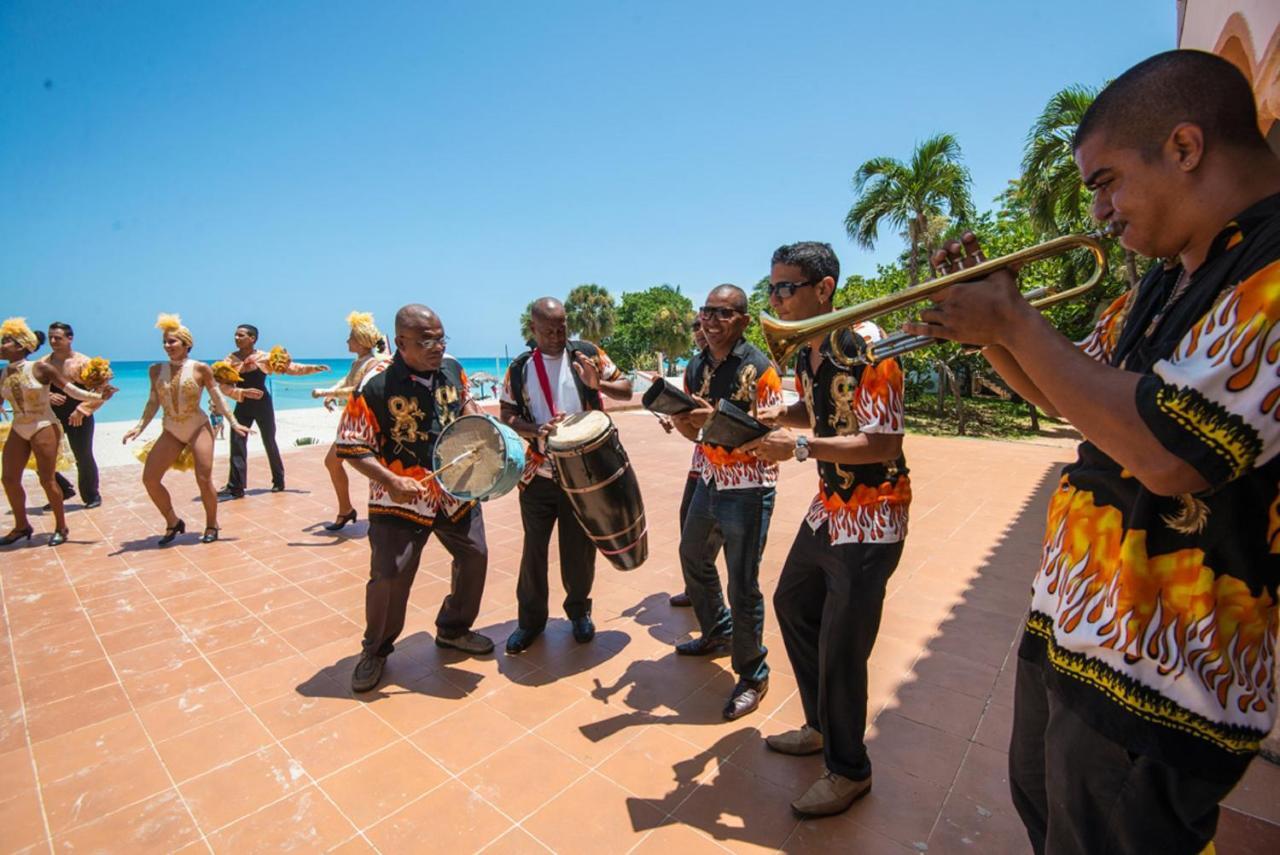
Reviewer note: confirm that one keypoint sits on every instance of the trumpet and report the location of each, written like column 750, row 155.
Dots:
column 785, row 338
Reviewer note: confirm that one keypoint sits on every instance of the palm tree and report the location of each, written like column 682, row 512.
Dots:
column 526, row 323
column 590, row 312
column 908, row 195
column 1056, row 199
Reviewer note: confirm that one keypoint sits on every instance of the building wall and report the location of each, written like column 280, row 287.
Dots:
column 1246, row 32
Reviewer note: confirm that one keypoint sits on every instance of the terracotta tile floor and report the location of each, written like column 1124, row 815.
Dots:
column 196, row 698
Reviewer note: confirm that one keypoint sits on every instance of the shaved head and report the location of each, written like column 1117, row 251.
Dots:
column 413, row 315
column 546, row 308
column 732, row 295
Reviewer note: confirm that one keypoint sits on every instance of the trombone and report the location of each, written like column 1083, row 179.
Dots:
column 785, row 338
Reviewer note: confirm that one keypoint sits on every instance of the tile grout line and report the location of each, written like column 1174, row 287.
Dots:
column 22, row 706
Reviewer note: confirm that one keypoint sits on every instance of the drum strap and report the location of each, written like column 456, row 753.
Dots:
column 544, row 383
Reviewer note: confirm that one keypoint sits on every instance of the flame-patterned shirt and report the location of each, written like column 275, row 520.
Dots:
column 863, row 503
column 1156, row 616
column 396, row 416
column 747, row 378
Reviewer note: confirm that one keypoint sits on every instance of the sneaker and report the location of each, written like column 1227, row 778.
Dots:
column 368, row 673
column 831, row 794
column 468, row 642
column 798, row 743
column 746, row 697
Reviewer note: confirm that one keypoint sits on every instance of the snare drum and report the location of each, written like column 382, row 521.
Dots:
column 492, row 471
column 591, row 466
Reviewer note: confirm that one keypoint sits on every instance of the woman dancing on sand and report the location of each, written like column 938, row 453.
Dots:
column 36, row 429
column 369, row 345
column 176, row 388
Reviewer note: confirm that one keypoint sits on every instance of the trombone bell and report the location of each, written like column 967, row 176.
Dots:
column 785, row 338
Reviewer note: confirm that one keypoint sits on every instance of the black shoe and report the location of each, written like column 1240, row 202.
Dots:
column 93, row 503
column 368, row 673
column 519, row 641
column 16, row 535
column 341, row 522
column 229, row 494
column 59, row 537
column 173, row 531
column 583, row 629
column 277, row 488
column 706, row 645
column 210, row 534
column 680, row 601
column 469, row 642
column 746, row 696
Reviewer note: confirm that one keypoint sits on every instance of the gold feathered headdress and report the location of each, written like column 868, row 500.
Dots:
column 366, row 333
column 172, row 325
column 17, row 329
column 96, row 373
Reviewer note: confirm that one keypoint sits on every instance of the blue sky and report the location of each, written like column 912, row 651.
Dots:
column 283, row 163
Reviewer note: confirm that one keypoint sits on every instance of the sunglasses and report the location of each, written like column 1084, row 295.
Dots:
column 724, row 313
column 786, row 290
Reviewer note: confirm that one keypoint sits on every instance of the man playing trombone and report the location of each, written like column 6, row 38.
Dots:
column 1145, row 675
column 832, row 587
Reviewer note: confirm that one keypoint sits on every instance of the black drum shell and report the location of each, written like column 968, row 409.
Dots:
column 605, row 496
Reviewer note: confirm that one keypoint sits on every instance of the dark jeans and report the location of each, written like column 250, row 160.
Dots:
column 1078, row 791
column 738, row 520
column 263, row 414
column 395, row 550
column 80, row 438
column 828, row 601
column 542, row 505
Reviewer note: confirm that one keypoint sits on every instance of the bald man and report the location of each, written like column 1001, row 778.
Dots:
column 555, row 378
column 388, row 433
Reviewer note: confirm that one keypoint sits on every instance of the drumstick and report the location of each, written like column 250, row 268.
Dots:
column 452, row 463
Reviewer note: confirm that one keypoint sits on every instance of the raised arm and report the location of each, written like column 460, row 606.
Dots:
column 204, row 376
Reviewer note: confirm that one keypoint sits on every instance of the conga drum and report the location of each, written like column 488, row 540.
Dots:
column 477, row 458
column 591, row 466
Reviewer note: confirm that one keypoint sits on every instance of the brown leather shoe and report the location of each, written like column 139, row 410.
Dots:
column 798, row 743
column 746, row 697
column 831, row 794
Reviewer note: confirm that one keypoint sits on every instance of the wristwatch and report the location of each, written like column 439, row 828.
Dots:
column 802, row 448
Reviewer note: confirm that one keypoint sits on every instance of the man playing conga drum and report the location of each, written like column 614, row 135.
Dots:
column 387, row 433
column 732, row 502
column 831, row 591
column 556, row 378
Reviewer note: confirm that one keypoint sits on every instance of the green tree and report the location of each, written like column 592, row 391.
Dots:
column 651, row 324
column 590, row 312
column 1055, row 199
column 757, row 302
column 908, row 195
column 526, row 323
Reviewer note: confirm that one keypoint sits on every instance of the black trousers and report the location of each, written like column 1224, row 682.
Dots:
column 80, row 438
column 1079, row 792
column 395, row 551
column 263, row 414
column 828, row 600
column 542, row 505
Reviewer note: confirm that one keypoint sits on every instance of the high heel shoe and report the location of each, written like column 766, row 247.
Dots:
column 180, row 527
column 16, row 535
column 59, row 536
column 341, row 522
column 210, row 534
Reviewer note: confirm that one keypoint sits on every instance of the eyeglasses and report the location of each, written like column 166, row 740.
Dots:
column 786, row 290
column 429, row 343
column 724, row 313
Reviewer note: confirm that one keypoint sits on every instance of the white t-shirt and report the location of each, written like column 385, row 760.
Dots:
column 563, row 389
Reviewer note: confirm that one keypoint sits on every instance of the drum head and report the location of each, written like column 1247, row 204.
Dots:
column 477, row 474
column 579, row 429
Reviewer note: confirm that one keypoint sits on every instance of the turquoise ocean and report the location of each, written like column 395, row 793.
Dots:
column 287, row 392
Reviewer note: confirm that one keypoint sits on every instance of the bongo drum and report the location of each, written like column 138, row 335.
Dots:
column 591, row 466
column 477, row 458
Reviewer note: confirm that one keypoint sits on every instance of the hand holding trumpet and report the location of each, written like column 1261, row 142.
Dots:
column 979, row 312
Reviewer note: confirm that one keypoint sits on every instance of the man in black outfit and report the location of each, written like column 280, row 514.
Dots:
column 255, row 409
column 555, row 378
column 76, row 416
